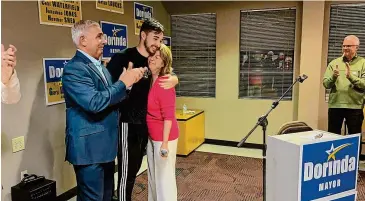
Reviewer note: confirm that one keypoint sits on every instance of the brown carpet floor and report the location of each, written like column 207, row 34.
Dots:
column 216, row 177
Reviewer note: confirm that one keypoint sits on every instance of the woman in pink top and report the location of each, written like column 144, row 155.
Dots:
column 163, row 131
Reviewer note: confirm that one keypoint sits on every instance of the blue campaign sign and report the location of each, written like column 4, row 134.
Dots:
column 347, row 198
column 53, row 71
column 116, row 37
column 329, row 168
column 167, row 41
column 141, row 12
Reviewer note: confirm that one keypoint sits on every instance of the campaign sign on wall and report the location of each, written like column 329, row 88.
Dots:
column 167, row 41
column 53, row 70
column 141, row 12
column 115, row 6
column 59, row 13
column 116, row 37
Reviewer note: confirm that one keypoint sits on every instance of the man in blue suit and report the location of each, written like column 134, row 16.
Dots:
column 91, row 119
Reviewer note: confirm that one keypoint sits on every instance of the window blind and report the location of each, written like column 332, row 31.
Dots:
column 194, row 54
column 267, row 41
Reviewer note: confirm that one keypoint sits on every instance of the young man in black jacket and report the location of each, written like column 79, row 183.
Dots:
column 133, row 133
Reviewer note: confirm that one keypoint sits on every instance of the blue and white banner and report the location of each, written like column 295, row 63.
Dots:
column 53, row 70
column 141, row 12
column 329, row 168
column 116, row 37
column 346, row 198
column 167, row 41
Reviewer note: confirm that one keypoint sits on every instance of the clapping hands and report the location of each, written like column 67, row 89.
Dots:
column 132, row 75
column 8, row 63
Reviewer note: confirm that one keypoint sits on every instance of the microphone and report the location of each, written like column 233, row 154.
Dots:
column 302, row 78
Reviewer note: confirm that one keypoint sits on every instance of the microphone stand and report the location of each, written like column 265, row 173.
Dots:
column 262, row 121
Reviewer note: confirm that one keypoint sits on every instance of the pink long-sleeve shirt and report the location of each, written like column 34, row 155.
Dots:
column 161, row 106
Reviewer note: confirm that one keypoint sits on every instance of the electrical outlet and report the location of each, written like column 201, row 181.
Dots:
column 18, row 144
column 23, row 173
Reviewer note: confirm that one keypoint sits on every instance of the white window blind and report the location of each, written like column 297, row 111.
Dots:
column 194, row 54
column 267, row 41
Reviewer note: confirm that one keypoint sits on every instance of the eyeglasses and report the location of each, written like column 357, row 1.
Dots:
column 348, row 46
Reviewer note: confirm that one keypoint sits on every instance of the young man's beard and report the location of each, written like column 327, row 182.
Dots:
column 148, row 48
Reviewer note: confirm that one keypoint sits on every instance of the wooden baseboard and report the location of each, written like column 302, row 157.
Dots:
column 233, row 144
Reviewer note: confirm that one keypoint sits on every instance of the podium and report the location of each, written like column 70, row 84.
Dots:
column 314, row 165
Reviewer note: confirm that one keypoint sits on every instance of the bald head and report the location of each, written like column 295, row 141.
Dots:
column 350, row 46
column 353, row 39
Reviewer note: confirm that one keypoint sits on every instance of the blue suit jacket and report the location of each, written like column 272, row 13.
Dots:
column 91, row 119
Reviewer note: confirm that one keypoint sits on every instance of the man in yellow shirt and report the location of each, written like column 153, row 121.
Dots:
column 345, row 77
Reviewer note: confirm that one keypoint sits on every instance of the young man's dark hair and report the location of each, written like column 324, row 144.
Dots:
column 151, row 25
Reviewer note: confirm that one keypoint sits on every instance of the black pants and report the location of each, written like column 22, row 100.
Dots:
column 354, row 119
column 135, row 137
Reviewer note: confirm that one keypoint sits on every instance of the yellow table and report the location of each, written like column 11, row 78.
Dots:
column 192, row 131
column 363, row 124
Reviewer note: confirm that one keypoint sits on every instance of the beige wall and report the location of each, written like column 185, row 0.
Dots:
column 312, row 62
column 230, row 118
column 227, row 117
column 43, row 127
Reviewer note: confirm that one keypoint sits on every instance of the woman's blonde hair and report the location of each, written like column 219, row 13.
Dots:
column 166, row 56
